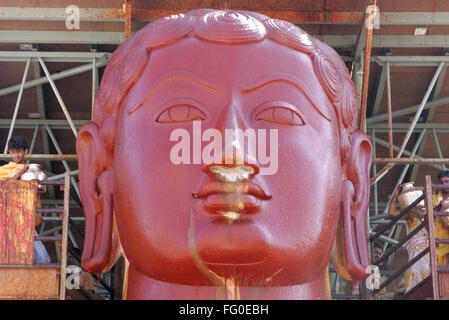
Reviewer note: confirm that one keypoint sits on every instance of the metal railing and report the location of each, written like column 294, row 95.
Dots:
column 64, row 214
column 62, row 239
column 429, row 222
column 398, row 245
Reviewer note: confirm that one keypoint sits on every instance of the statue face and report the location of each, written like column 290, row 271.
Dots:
column 283, row 240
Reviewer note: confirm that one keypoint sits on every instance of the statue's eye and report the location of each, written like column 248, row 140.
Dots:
column 180, row 113
column 281, row 115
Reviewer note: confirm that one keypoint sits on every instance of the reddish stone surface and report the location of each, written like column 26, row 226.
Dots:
column 228, row 70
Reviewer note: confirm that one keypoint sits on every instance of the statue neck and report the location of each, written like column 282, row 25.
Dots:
column 141, row 287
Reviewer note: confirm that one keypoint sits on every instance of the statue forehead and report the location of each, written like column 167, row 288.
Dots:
column 220, row 66
column 200, row 54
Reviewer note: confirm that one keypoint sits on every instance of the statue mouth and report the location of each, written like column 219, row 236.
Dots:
column 231, row 201
column 247, row 187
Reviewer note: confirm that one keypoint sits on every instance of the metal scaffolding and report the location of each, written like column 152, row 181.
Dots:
column 92, row 62
column 359, row 44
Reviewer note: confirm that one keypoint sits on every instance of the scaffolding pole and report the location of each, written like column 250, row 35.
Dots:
column 19, row 99
column 384, row 170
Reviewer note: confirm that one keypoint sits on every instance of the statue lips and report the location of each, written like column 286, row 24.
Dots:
column 238, row 204
column 242, row 197
column 240, row 242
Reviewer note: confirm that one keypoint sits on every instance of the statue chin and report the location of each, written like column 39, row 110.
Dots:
column 242, row 243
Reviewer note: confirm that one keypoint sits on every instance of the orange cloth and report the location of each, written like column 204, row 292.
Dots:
column 9, row 170
column 441, row 232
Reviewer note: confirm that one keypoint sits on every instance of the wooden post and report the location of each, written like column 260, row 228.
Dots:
column 433, row 255
column 65, row 228
column 125, row 280
column 128, row 19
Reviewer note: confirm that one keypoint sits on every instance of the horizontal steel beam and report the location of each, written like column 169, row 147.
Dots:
column 407, row 125
column 31, row 123
column 407, row 110
column 402, row 41
column 72, row 205
column 406, row 152
column 98, row 37
column 16, row 56
column 43, row 157
column 388, row 41
column 60, row 202
column 393, row 59
column 312, row 17
column 355, row 17
column 417, row 129
column 63, row 124
column 411, row 160
column 54, row 76
column 422, row 61
column 345, row 41
column 414, row 18
column 60, row 14
column 76, row 37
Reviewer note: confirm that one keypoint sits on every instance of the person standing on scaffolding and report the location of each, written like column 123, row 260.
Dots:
column 420, row 241
column 18, row 148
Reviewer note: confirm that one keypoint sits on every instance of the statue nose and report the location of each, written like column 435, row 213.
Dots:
column 238, row 161
column 231, row 169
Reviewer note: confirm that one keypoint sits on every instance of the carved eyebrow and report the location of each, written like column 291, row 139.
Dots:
column 177, row 75
column 286, row 78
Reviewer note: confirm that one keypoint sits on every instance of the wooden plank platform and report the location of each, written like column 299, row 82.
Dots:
column 28, row 283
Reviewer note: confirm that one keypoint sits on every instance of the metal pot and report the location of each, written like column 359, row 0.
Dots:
column 408, row 195
column 34, row 172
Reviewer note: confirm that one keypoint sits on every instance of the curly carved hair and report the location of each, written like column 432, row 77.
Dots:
column 223, row 26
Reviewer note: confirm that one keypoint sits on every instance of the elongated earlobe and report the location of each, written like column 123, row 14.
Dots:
column 96, row 187
column 350, row 255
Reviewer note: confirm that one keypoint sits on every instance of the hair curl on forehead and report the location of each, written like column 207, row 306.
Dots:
column 229, row 27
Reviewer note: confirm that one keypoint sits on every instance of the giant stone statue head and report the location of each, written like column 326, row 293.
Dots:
column 224, row 158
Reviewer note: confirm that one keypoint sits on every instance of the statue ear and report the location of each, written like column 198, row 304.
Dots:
column 96, row 187
column 350, row 256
